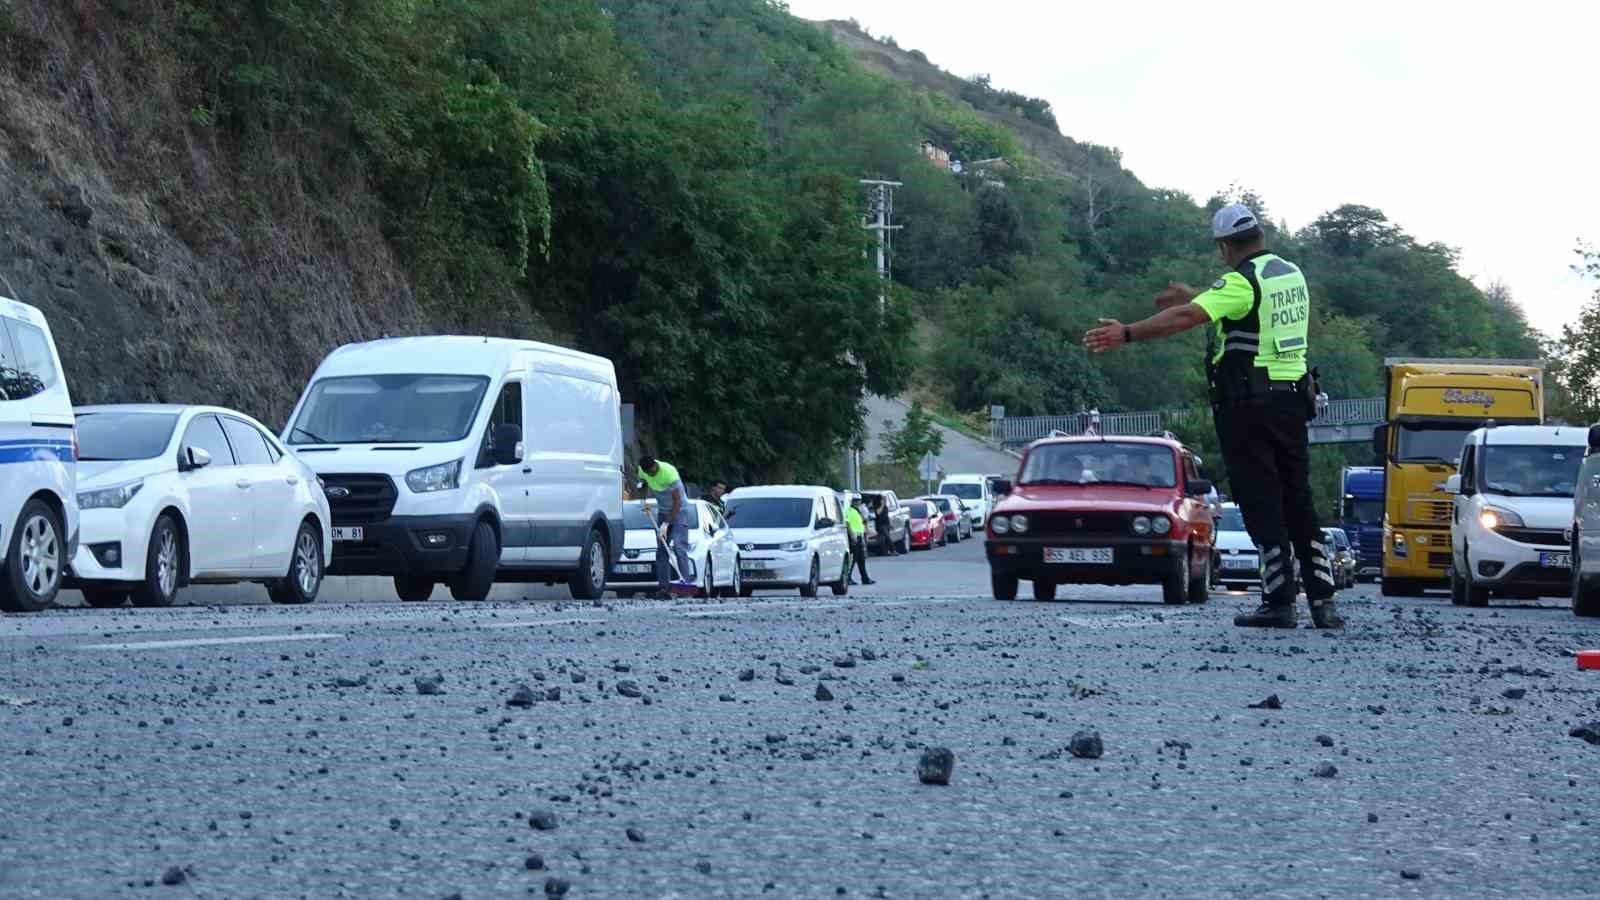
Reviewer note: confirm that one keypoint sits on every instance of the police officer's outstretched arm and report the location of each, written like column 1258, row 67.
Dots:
column 1175, row 319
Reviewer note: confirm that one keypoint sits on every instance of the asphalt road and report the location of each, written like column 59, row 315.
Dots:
column 260, row 751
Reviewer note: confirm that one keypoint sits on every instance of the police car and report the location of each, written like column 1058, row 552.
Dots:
column 38, row 462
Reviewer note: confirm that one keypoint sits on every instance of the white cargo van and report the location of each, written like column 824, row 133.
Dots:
column 466, row 461
column 38, row 462
column 975, row 492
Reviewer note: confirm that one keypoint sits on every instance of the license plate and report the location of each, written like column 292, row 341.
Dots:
column 1556, row 560
column 350, row 534
column 1235, row 563
column 1099, row 556
column 636, row 569
column 755, row 565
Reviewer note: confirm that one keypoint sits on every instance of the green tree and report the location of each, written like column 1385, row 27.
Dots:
column 1577, row 351
column 916, row 437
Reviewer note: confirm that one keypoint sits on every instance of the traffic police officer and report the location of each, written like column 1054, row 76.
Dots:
column 1263, row 396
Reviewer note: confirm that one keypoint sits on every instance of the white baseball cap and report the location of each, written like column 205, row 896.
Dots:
column 1232, row 220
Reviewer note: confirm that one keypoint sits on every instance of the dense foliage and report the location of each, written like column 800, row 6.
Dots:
column 674, row 185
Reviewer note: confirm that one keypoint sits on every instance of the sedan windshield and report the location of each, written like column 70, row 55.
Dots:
column 942, row 503
column 1231, row 520
column 964, row 491
column 1432, row 443
column 1531, row 471
column 633, row 517
column 389, row 409
column 119, row 436
column 770, row 512
column 1101, row 462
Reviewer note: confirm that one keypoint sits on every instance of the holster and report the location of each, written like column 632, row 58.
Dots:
column 1309, row 386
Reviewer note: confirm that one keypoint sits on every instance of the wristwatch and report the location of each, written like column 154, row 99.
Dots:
column 1127, row 334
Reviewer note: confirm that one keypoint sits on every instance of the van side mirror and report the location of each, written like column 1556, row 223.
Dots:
column 1380, row 442
column 507, row 445
column 193, row 458
column 1002, row 487
column 1198, row 487
column 1594, row 438
column 1452, row 485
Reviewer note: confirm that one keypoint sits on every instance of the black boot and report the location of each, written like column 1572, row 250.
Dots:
column 1268, row 615
column 1277, row 592
column 1320, row 587
column 1324, row 614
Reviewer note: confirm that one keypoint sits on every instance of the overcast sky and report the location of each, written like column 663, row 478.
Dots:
column 1472, row 126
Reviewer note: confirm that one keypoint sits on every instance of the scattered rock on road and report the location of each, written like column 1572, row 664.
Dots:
column 343, row 682
column 1271, row 702
column 522, row 697
column 542, row 820
column 429, row 685
column 823, row 693
column 1087, row 745
column 556, row 887
column 1324, row 740
column 1514, row 693
column 174, row 876
column 635, row 835
column 1410, row 874
column 533, row 863
column 1589, row 732
column 629, row 689
column 1325, row 770
column 936, row 766
column 747, row 675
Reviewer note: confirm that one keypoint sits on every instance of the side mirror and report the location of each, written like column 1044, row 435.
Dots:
column 1380, row 442
column 194, row 458
column 1452, row 485
column 1002, row 487
column 824, row 524
column 1198, row 487
column 1594, row 439
column 507, row 445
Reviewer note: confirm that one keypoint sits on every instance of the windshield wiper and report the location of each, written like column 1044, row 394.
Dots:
column 1053, row 481
column 96, row 459
column 320, row 440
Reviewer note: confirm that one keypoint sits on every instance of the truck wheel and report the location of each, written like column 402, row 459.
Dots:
column 1004, row 586
column 1200, row 587
column 477, row 580
column 1044, row 591
column 411, row 589
column 589, row 580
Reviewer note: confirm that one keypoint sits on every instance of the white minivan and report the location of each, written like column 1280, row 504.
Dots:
column 790, row 536
column 465, row 461
column 38, row 462
column 1510, row 532
column 975, row 492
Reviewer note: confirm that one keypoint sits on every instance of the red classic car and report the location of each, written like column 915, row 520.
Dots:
column 927, row 525
column 1116, row 510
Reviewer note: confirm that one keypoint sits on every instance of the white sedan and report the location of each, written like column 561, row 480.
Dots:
column 713, row 556
column 178, row 495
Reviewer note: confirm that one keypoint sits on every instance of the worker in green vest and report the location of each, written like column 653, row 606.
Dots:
column 672, row 504
column 1262, row 396
column 857, row 524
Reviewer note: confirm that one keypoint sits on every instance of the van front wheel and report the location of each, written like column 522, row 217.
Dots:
column 589, row 580
column 474, row 584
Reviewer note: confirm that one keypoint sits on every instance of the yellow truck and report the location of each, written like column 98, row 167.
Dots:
column 1431, row 405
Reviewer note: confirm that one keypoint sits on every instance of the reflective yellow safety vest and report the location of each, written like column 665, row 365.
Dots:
column 1262, row 312
column 852, row 518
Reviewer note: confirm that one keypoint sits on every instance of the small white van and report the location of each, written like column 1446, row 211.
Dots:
column 38, row 462
column 466, row 461
column 974, row 491
column 790, row 536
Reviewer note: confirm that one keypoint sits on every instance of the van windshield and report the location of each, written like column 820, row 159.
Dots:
column 770, row 512
column 964, row 490
column 1531, row 471
column 119, row 436
column 389, row 409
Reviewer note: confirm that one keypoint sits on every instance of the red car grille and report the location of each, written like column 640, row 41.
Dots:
column 1087, row 523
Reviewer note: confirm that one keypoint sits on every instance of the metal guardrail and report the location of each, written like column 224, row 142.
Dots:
column 1019, row 431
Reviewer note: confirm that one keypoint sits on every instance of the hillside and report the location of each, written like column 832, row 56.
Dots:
column 208, row 195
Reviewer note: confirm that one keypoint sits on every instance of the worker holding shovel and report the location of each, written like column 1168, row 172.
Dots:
column 672, row 528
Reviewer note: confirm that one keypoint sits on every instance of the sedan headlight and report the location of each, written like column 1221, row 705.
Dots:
column 1493, row 517
column 111, row 497
column 1000, row 524
column 1160, row 525
column 1141, row 525
column 443, row 477
column 1019, row 524
column 792, row 546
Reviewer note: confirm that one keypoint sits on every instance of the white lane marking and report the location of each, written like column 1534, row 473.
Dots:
column 545, row 622
column 714, row 614
column 209, row 642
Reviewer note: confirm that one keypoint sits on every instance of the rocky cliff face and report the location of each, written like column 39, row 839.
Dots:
column 174, row 264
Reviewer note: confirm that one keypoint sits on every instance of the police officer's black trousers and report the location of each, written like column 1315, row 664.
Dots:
column 858, row 549
column 1266, row 449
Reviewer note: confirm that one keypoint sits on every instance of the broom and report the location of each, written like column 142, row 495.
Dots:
column 680, row 586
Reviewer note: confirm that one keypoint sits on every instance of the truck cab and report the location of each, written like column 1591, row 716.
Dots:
column 1361, row 517
column 1431, row 407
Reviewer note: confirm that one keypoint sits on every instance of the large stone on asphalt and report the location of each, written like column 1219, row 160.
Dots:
column 936, row 766
column 522, row 697
column 1087, row 745
column 823, row 693
column 747, row 675
column 629, row 689
column 1325, row 770
column 174, row 876
column 1589, row 732
column 428, row 685
column 542, row 820
column 556, row 887
column 1272, row 702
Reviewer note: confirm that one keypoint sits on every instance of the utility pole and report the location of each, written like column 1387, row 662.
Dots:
column 879, row 219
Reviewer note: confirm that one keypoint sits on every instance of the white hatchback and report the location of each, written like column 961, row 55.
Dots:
column 713, row 555
column 177, row 495
column 1238, row 562
column 790, row 537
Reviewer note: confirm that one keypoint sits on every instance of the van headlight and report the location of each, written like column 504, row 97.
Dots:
column 1494, row 518
column 792, row 546
column 111, row 497
column 443, row 477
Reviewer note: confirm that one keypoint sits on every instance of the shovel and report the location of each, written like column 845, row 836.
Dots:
column 680, row 586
